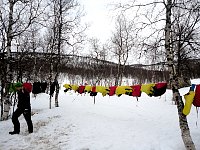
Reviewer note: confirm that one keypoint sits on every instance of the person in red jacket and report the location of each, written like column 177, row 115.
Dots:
column 23, row 107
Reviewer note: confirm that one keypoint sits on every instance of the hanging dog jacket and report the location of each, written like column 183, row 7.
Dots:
column 75, row 87
column 67, row 87
column 93, row 91
column 88, row 88
column 123, row 90
column 27, row 86
column 196, row 101
column 81, row 89
column 36, row 89
column 189, row 97
column 102, row 89
column 159, row 89
column 136, row 90
column 112, row 90
column 148, row 88
column 12, row 88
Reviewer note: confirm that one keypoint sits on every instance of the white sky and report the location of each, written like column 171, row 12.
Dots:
column 100, row 15
column 99, row 18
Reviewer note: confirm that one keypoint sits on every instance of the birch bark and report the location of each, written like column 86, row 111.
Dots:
column 185, row 131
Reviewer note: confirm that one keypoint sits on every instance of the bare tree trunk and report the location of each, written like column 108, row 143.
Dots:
column 57, row 92
column 6, row 97
column 59, row 25
column 50, row 79
column 187, row 139
column 117, row 75
column 2, row 87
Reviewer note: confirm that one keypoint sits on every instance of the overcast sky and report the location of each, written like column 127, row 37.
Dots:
column 99, row 16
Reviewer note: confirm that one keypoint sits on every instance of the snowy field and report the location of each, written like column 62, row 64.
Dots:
column 112, row 123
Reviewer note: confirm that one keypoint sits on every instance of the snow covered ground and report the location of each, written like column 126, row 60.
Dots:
column 112, row 123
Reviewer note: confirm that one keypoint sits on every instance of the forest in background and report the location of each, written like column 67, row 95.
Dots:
column 87, row 68
column 80, row 69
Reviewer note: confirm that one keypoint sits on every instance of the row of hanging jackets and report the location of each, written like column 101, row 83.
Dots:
column 153, row 89
column 40, row 87
column 36, row 87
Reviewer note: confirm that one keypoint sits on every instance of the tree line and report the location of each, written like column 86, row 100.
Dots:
column 90, row 68
column 87, row 68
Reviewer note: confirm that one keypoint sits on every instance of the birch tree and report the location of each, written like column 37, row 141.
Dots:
column 16, row 16
column 123, row 41
column 187, row 139
column 63, row 18
column 185, row 35
column 98, row 53
column 172, row 42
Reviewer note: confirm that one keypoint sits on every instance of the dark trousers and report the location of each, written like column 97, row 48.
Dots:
column 27, row 116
